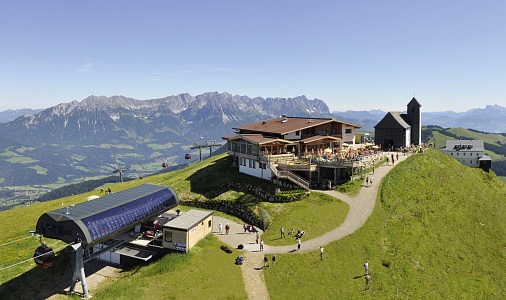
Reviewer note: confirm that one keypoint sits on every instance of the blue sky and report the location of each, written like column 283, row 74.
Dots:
column 356, row 55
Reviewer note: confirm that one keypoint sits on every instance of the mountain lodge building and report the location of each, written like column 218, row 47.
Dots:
column 305, row 151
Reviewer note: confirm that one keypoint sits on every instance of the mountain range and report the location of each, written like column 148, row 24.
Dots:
column 98, row 135
column 83, row 139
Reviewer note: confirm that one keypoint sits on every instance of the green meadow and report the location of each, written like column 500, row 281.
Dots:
column 437, row 232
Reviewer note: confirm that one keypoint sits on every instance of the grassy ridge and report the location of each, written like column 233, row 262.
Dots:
column 437, row 232
column 438, row 226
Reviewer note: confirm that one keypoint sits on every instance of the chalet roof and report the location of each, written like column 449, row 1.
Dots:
column 392, row 119
column 286, row 125
column 256, row 138
column 464, row 145
column 318, row 138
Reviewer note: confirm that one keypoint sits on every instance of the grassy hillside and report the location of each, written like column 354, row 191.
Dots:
column 437, row 232
column 199, row 181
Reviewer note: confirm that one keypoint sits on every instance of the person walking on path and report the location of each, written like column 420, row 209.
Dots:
column 283, row 232
column 321, row 253
column 220, row 228
column 370, row 181
column 266, row 261
column 227, row 228
column 245, row 228
column 366, row 267
column 258, row 236
column 367, row 181
column 273, row 259
column 261, row 245
column 298, row 244
column 367, row 281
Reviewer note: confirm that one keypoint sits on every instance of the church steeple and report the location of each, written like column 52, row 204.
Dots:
column 414, row 115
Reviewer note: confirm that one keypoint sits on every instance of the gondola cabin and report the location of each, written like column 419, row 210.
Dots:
column 187, row 156
column 43, row 256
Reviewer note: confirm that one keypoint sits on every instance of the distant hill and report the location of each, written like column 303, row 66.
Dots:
column 495, row 144
column 11, row 115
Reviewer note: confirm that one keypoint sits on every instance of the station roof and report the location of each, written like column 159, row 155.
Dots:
column 105, row 203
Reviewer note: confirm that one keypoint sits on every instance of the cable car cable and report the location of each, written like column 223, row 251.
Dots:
column 16, row 240
column 31, row 258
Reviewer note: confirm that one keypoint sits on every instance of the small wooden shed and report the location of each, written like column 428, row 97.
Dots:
column 185, row 231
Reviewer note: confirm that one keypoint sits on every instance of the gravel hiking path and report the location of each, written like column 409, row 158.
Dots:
column 361, row 207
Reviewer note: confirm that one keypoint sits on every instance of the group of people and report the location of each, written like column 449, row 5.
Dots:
column 368, row 181
column 107, row 191
column 220, row 228
column 266, row 260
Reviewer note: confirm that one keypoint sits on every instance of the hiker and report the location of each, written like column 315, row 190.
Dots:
column 291, row 231
column 220, row 228
column 245, row 228
column 370, row 181
column 266, row 261
column 227, row 228
column 298, row 244
column 273, row 259
column 366, row 267
column 367, row 280
column 178, row 211
column 367, row 180
column 282, row 232
column 262, row 245
column 321, row 253
column 258, row 236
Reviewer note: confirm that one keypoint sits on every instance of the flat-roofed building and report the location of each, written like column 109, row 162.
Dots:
column 185, row 231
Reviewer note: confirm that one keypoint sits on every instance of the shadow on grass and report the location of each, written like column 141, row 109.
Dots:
column 206, row 182
column 358, row 277
column 39, row 283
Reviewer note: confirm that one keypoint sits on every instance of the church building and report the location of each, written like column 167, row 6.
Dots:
column 397, row 129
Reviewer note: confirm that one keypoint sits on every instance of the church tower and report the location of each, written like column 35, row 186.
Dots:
column 414, row 117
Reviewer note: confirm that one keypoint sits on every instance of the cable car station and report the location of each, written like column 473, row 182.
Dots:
column 123, row 228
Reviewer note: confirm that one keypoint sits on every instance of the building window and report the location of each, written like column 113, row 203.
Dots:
column 464, row 154
column 452, row 153
column 297, row 133
column 168, row 236
column 209, row 223
column 347, row 130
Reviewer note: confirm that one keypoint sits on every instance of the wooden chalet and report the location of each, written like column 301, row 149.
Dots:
column 305, row 151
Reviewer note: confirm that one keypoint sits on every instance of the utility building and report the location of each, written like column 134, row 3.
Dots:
column 183, row 232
